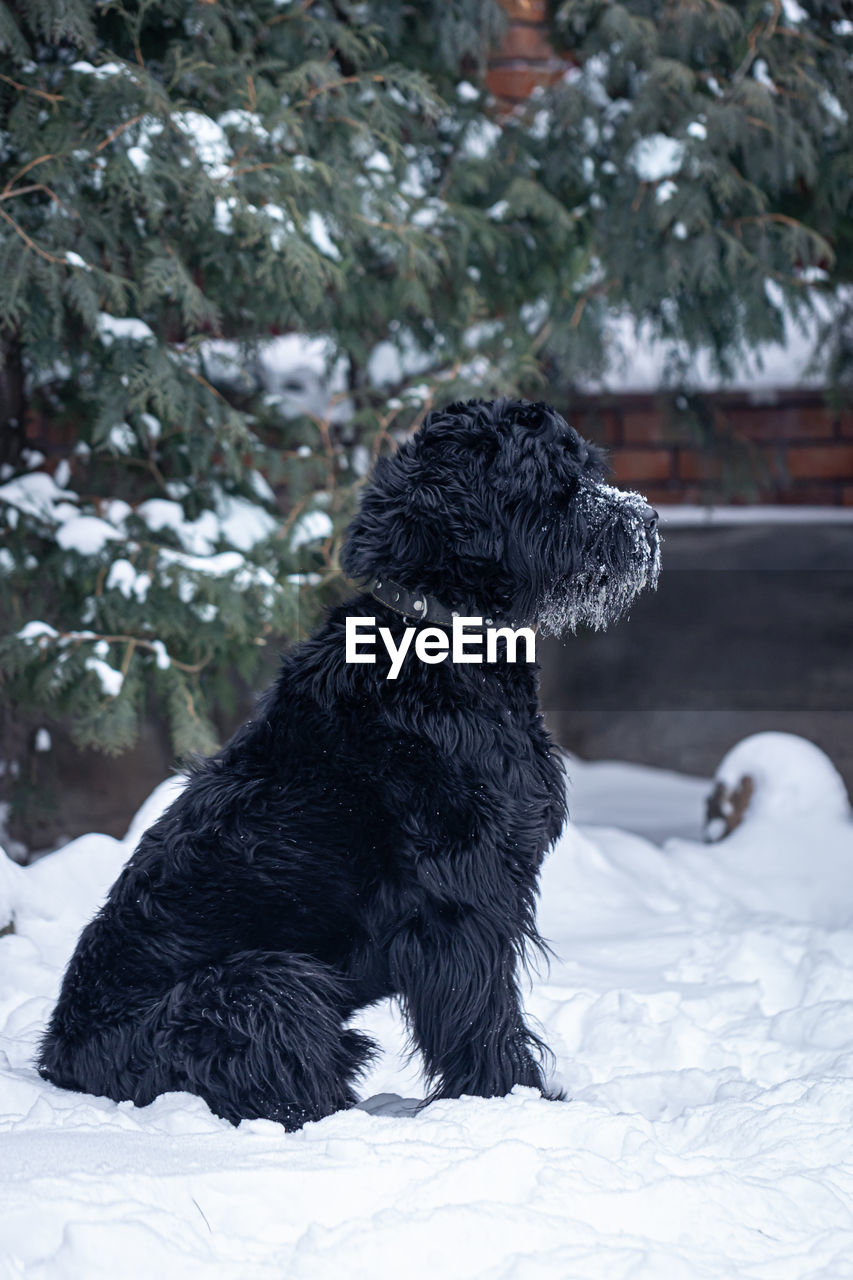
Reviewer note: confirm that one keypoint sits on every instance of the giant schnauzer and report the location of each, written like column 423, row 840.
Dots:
column 364, row 837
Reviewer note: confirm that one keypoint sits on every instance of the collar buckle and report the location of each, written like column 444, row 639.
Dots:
column 415, row 605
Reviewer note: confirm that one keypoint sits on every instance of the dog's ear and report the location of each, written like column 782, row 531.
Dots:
column 363, row 546
column 397, row 528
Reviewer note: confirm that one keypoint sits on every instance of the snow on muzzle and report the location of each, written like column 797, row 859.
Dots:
column 617, row 547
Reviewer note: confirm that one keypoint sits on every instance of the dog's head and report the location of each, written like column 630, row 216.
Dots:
column 499, row 509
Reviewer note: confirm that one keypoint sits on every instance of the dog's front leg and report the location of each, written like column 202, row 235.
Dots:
column 459, row 984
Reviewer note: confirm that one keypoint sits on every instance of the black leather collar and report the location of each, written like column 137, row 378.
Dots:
column 416, row 605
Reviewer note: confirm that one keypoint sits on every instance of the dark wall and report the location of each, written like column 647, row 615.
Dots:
column 751, row 628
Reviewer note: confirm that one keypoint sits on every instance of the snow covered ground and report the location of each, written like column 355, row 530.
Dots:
column 700, row 1007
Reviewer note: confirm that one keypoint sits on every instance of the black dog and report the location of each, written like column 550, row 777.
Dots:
column 364, row 837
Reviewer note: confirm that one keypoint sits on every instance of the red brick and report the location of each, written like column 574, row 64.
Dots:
column 792, row 422
column 517, row 83
column 820, row 462
column 643, row 426
column 602, row 426
column 47, row 434
column 606, row 429
column 847, row 495
column 526, row 10
column 845, row 422
column 693, row 465
column 653, row 426
column 527, row 42
column 631, row 465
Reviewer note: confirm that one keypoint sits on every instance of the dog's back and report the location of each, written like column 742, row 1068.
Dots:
column 365, row 836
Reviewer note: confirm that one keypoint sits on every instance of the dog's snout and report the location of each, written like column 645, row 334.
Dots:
column 650, row 519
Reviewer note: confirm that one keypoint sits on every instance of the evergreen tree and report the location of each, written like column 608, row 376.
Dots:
column 178, row 175
column 181, row 180
column 707, row 148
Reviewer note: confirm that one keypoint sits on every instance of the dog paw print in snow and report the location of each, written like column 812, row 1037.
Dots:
column 775, row 778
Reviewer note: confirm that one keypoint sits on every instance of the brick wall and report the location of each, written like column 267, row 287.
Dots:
column 794, row 450
column 526, row 57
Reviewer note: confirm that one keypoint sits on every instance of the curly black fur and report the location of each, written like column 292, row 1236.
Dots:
column 360, row 837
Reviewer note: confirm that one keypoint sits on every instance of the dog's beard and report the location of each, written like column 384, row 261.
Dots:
column 622, row 559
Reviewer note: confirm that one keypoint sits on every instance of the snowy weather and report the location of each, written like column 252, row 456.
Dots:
column 698, row 1005
column 426, row 618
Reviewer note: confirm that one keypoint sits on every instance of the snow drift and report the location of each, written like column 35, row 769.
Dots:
column 700, row 1010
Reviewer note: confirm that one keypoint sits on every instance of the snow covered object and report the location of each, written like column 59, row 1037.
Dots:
column 706, row 149
column 705, row 1042
column 11, row 888
column 178, row 183
column 775, row 778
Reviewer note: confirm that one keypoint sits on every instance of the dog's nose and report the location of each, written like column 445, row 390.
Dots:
column 650, row 519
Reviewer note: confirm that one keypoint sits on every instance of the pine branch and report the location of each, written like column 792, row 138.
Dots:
column 29, row 242
column 765, row 30
column 53, row 98
column 132, row 642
